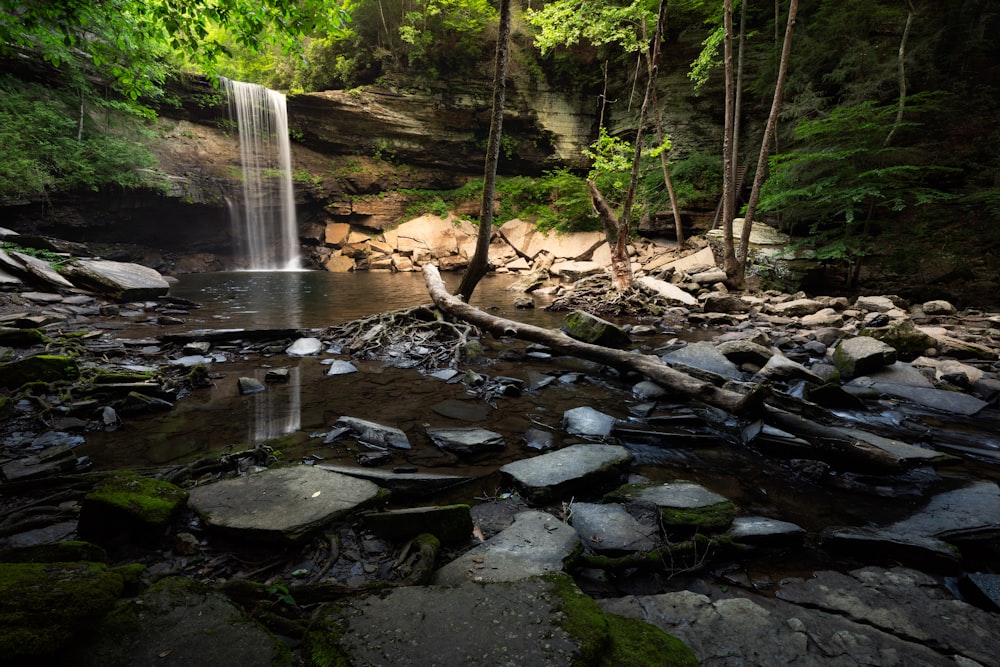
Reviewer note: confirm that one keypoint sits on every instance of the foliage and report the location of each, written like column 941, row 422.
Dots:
column 49, row 145
column 843, row 182
column 697, row 180
column 565, row 23
column 52, row 258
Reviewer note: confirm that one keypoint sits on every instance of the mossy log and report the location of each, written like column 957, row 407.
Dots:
column 647, row 365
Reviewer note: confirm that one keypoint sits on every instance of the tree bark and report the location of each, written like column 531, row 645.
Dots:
column 616, row 234
column 647, row 365
column 729, row 263
column 765, row 144
column 479, row 264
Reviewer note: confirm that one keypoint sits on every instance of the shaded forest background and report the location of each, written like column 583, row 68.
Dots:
column 887, row 148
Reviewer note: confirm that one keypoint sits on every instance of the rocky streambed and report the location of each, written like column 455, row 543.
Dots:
column 536, row 508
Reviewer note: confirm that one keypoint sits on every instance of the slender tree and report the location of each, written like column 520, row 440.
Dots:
column 765, row 146
column 728, row 185
column 479, row 264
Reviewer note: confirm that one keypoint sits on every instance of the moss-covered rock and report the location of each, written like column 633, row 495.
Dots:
column 904, row 337
column 14, row 337
column 127, row 505
column 38, row 368
column 590, row 329
column 46, row 606
column 685, row 507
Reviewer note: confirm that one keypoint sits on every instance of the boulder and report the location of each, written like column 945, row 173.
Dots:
column 304, row 347
column 588, row 422
column 610, row 528
column 127, row 505
column 875, row 304
column 38, row 368
column 861, row 355
column 938, row 307
column 718, row 302
column 703, row 356
column 373, row 434
column 797, row 307
column 592, row 329
column 903, row 336
column 118, row 280
column 667, row 291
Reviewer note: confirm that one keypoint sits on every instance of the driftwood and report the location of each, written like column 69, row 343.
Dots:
column 647, row 365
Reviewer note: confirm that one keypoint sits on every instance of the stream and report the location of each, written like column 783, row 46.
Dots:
column 292, row 417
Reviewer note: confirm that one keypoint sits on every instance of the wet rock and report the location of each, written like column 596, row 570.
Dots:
column 797, row 307
column 373, row 434
column 304, row 347
column 928, row 536
column 248, row 385
column 861, row 355
column 536, row 438
column 587, row 421
column 703, row 356
column 277, row 375
column 450, row 523
column 762, row 531
column 281, row 504
column 610, row 528
column 181, row 622
column 875, row 304
column 466, row 440
column 562, row 472
column 647, row 389
column 136, row 403
column 781, row 367
column 940, row 399
column 129, row 507
column 16, row 337
column 341, row 367
column 118, row 280
column 47, row 607
column 591, row 329
column 51, row 461
column 402, row 483
column 685, row 507
column 536, row 543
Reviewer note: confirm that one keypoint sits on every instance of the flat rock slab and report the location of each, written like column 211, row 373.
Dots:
column 704, row 356
column 611, row 528
column 674, row 495
column 869, row 617
column 120, row 280
column 546, row 477
column 940, row 399
column 178, row 623
column 466, row 440
column 373, row 434
column 961, row 513
column 518, row 623
column 766, row 532
column 589, row 422
column 536, row 543
column 401, row 483
column 281, row 504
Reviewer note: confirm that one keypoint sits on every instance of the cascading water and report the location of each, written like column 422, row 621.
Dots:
column 264, row 229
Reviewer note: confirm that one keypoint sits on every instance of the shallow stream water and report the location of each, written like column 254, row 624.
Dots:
column 293, row 416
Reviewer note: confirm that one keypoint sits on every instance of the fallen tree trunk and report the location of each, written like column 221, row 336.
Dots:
column 648, row 365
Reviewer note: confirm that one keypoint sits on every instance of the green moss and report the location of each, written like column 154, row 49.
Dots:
column 584, row 620
column 45, row 606
column 60, row 552
column 6, row 407
column 637, row 644
column 109, row 377
column 45, row 368
column 150, row 500
column 321, row 644
column 13, row 337
column 711, row 518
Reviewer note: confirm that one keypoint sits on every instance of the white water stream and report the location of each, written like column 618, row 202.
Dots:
column 264, row 227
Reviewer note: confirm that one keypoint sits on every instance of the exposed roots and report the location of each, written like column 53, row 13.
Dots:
column 598, row 296
column 418, row 337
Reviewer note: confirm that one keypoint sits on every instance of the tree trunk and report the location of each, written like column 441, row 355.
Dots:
column 647, row 365
column 616, row 234
column 729, row 263
column 769, row 132
column 479, row 264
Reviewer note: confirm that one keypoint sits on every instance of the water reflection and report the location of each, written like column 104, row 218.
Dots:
column 277, row 411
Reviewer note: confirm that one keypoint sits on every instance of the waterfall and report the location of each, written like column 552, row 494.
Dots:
column 264, row 229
